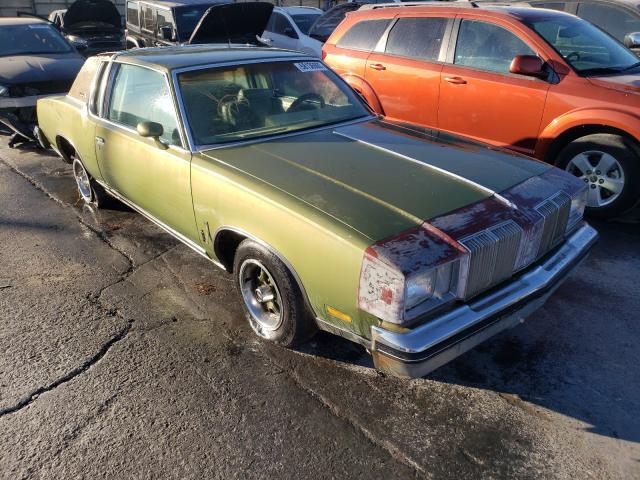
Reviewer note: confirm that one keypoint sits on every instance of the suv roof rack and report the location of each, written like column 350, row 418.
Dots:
column 428, row 3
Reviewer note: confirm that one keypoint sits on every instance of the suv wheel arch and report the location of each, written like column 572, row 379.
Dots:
column 365, row 91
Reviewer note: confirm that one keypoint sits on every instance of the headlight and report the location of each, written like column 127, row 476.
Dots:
column 77, row 42
column 4, row 91
column 576, row 212
column 411, row 274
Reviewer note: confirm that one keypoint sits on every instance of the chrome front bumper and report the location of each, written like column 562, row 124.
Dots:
column 421, row 350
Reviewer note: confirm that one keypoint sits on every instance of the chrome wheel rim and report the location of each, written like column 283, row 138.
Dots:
column 82, row 180
column 602, row 173
column 260, row 294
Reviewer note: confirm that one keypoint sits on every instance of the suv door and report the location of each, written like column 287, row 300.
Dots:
column 281, row 33
column 405, row 74
column 480, row 98
column 154, row 178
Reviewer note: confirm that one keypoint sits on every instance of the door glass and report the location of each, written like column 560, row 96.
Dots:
column 132, row 14
column 280, row 23
column 164, row 19
column 363, row 35
column 304, row 21
column 613, row 20
column 142, row 95
column 486, row 46
column 147, row 19
column 418, row 38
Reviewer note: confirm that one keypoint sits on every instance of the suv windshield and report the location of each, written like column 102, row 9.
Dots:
column 257, row 100
column 31, row 39
column 589, row 50
column 187, row 18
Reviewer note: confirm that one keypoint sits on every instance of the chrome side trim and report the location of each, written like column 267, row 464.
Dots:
column 189, row 243
column 424, row 348
column 335, row 330
column 433, row 167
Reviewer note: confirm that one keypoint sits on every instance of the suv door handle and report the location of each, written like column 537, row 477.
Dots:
column 377, row 66
column 455, row 80
column 99, row 141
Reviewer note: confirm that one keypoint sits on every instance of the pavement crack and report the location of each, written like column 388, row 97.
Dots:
column 86, row 365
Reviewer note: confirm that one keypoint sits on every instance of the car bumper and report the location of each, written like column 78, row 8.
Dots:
column 421, row 350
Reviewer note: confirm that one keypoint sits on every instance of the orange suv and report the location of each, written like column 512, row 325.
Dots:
column 540, row 82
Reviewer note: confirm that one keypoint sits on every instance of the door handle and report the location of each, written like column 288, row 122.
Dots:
column 99, row 141
column 377, row 66
column 455, row 80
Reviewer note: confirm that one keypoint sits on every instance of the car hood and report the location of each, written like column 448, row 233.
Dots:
column 379, row 178
column 232, row 23
column 83, row 11
column 629, row 83
column 39, row 68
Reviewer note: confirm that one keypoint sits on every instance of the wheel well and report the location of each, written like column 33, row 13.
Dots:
column 66, row 149
column 565, row 138
column 225, row 246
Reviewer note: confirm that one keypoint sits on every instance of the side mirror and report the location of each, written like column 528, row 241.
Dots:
column 152, row 130
column 290, row 32
column 166, row 33
column 632, row 40
column 529, row 65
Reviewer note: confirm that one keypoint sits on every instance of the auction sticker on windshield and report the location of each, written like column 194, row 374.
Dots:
column 310, row 67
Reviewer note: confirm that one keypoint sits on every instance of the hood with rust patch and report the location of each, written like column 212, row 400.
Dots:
column 378, row 178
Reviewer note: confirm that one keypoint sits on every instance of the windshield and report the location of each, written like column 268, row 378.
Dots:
column 305, row 21
column 187, row 18
column 31, row 39
column 328, row 21
column 257, row 100
column 589, row 50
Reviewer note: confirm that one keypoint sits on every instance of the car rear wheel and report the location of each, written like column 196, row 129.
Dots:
column 610, row 166
column 90, row 191
column 273, row 303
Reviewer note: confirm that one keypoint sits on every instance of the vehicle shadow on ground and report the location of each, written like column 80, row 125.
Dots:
column 575, row 357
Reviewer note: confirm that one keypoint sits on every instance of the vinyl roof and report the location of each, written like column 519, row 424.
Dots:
column 171, row 58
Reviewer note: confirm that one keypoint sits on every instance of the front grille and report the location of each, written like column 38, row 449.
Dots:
column 492, row 258
column 555, row 211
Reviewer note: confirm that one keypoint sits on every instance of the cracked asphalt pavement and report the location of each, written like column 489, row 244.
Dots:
column 125, row 355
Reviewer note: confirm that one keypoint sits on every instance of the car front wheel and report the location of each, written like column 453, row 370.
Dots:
column 273, row 303
column 610, row 166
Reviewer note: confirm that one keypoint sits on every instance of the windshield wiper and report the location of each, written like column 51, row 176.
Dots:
column 637, row 64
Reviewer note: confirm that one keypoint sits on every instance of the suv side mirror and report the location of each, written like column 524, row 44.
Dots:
column 529, row 65
column 290, row 32
column 632, row 40
column 152, row 130
column 166, row 33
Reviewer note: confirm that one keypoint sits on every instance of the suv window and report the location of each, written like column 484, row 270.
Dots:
column 147, row 19
column 363, row 35
column 164, row 19
column 486, row 46
column 142, row 95
column 280, row 23
column 613, row 20
column 419, row 38
column 132, row 14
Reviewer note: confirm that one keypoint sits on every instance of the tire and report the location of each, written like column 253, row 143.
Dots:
column 89, row 190
column 260, row 275
column 610, row 191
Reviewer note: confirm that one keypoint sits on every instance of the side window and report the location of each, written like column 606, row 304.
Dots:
column 363, row 35
column 280, row 23
column 147, row 18
column 489, row 47
column 132, row 14
column 613, row 20
column 419, row 38
column 142, row 95
column 164, row 19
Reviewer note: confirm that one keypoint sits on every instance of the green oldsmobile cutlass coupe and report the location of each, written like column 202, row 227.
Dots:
column 414, row 244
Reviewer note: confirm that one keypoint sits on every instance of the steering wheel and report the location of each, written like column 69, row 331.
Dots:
column 298, row 102
column 573, row 56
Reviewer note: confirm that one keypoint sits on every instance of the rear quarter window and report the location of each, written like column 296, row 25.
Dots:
column 419, row 38
column 363, row 35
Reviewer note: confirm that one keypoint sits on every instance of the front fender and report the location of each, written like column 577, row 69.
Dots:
column 609, row 118
column 364, row 89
